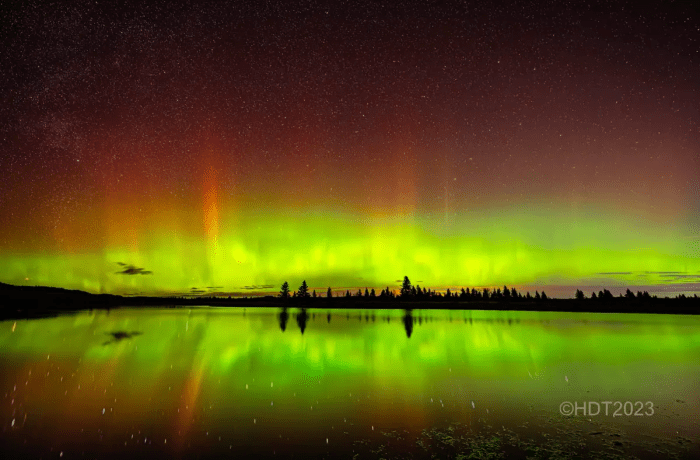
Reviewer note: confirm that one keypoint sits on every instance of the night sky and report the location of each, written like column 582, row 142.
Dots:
column 150, row 147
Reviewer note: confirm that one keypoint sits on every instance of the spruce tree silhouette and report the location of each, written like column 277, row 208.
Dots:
column 284, row 293
column 329, row 294
column 580, row 295
column 303, row 290
column 506, row 292
column 406, row 287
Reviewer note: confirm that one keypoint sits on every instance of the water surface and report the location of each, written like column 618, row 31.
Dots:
column 339, row 383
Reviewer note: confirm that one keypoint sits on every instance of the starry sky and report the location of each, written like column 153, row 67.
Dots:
column 196, row 147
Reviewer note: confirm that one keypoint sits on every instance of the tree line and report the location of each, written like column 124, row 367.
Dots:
column 408, row 291
column 411, row 292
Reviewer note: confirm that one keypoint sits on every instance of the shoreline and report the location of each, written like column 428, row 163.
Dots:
column 26, row 302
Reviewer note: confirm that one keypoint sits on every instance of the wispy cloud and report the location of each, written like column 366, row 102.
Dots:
column 683, row 278
column 664, row 273
column 258, row 287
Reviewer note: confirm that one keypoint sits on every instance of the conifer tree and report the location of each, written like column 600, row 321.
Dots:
column 303, row 290
column 406, row 287
column 284, row 293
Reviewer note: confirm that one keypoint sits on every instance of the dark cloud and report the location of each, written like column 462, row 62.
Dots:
column 132, row 270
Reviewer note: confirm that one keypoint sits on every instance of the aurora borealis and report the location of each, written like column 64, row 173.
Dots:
column 232, row 147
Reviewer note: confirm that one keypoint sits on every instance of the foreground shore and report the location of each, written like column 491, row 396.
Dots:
column 25, row 301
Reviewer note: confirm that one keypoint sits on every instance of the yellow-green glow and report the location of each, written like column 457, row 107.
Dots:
column 524, row 248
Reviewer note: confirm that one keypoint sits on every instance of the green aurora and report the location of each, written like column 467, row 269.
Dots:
column 514, row 246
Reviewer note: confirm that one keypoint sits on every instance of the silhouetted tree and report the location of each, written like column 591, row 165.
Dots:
column 284, row 293
column 347, row 293
column 372, row 294
column 629, row 294
column 506, row 292
column 366, row 293
column 313, row 294
column 329, row 293
column 513, row 293
column 406, row 287
column 303, row 290
column 528, row 296
column 580, row 295
column 593, row 296
column 485, row 293
column 537, row 295
column 544, row 296
column 359, row 293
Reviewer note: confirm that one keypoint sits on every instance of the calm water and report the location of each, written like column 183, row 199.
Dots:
column 207, row 381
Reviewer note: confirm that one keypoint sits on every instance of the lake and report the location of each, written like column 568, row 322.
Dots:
column 329, row 383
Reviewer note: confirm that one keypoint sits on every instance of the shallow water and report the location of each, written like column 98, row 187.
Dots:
column 209, row 381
